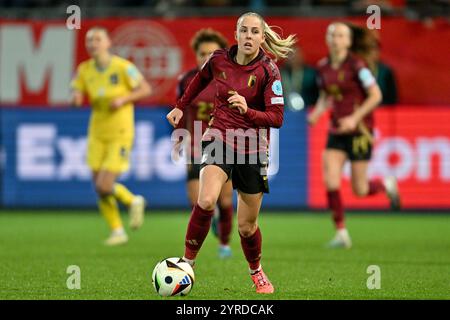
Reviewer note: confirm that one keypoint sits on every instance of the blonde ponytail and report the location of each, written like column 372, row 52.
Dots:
column 274, row 44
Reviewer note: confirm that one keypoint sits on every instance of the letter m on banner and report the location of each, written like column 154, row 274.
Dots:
column 38, row 65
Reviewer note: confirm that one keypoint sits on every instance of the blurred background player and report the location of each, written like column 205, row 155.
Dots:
column 204, row 43
column 112, row 84
column 249, row 95
column 383, row 73
column 347, row 84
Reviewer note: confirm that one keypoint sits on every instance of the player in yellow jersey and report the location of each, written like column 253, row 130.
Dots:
column 112, row 85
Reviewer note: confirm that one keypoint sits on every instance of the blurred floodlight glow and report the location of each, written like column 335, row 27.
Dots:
column 296, row 101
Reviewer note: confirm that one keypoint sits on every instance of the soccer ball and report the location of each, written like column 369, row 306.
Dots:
column 173, row 277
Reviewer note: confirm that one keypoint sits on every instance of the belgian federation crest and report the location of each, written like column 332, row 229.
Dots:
column 251, row 81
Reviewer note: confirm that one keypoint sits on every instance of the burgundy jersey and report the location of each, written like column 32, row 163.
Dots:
column 347, row 86
column 259, row 82
column 200, row 108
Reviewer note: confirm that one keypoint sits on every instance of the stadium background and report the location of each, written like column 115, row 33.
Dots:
column 43, row 141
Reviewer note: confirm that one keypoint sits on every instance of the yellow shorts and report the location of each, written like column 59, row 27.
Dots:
column 113, row 155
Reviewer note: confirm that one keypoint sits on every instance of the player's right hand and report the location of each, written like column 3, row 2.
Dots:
column 76, row 99
column 174, row 116
column 311, row 119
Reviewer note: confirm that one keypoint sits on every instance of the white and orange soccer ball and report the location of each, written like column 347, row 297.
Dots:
column 173, row 277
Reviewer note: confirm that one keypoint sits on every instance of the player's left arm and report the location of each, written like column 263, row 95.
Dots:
column 78, row 88
column 140, row 87
column 272, row 116
column 374, row 97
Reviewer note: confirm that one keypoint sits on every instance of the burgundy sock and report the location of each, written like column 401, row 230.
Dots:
column 225, row 224
column 252, row 248
column 335, row 204
column 197, row 231
column 376, row 186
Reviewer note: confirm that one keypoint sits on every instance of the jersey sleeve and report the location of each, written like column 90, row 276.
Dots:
column 132, row 76
column 77, row 82
column 180, row 87
column 183, row 82
column 365, row 76
column 319, row 81
column 272, row 116
column 320, row 74
column 198, row 83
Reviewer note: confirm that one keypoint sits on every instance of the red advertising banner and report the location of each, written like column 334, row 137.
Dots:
column 38, row 58
column 411, row 144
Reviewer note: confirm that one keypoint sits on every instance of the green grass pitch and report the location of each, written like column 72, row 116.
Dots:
column 412, row 251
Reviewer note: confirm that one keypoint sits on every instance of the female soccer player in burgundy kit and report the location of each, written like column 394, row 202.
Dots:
column 248, row 101
column 204, row 43
column 349, row 86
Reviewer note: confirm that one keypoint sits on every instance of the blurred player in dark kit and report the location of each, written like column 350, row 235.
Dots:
column 349, row 88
